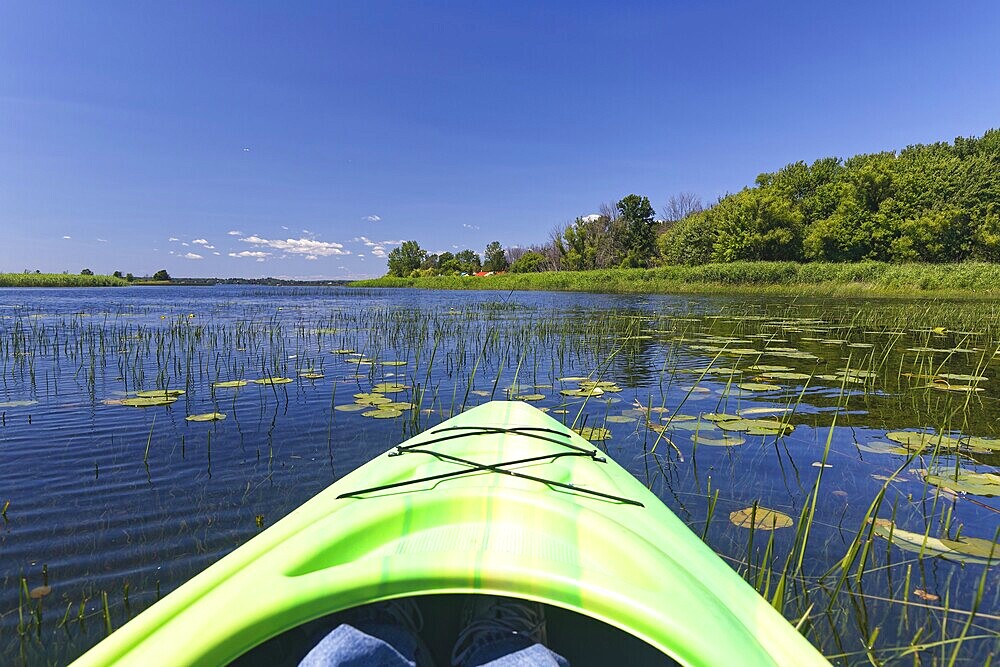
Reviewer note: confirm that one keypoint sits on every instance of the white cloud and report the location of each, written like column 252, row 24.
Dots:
column 235, row 232
column 372, row 218
column 102, row 240
column 283, row 227
column 378, row 251
column 591, row 218
column 185, row 244
column 67, row 237
column 310, row 257
column 468, row 226
column 300, row 246
column 216, row 253
column 173, row 238
column 193, row 255
column 200, row 241
column 259, row 255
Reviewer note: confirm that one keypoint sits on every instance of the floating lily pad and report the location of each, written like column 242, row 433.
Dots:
column 976, row 483
column 230, row 384
column 38, row 592
column 981, row 444
column 396, row 405
column 746, row 412
column 719, row 417
column 599, row 384
column 930, row 546
column 529, row 397
column 782, row 375
column 758, row 386
column 957, row 388
column 206, row 417
column 371, row 399
column 582, row 392
column 594, row 433
column 273, row 380
column 725, row 441
column 389, row 387
column 574, row 379
column 620, row 419
column 352, row 407
column 342, row 351
column 876, row 447
column 479, row 392
column 915, row 440
column 394, row 363
column 756, row 426
column 312, row 376
column 975, row 546
column 760, row 518
column 382, row 414
column 159, row 393
column 148, row 402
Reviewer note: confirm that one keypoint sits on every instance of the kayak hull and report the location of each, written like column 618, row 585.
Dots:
column 501, row 500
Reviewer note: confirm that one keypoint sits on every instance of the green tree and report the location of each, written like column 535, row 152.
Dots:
column 129, row 277
column 86, row 272
column 495, row 257
column 757, row 225
column 117, row 274
column 469, row 261
column 406, row 258
column 529, row 262
column 161, row 275
column 638, row 230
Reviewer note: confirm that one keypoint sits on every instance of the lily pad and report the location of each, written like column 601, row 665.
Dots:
column 273, row 380
column 529, row 397
column 382, row 414
column 976, row 483
column 959, row 377
column 916, row 440
column 781, row 375
column 394, row 363
column 719, row 417
column 758, row 386
column 230, row 384
column 927, row 546
column 206, row 417
column 159, row 393
column 389, row 387
column 594, row 433
column 582, row 392
column 371, row 399
column 975, row 546
column 980, row 444
column 725, row 441
column 396, row 405
column 620, row 419
column 352, row 407
column 876, row 447
column 312, row 376
column 756, row 426
column 760, row 518
column 342, row 351
column 148, row 402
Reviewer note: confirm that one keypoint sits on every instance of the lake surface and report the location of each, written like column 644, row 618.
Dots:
column 829, row 413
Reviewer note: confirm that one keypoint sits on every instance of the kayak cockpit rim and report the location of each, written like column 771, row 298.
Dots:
column 501, row 467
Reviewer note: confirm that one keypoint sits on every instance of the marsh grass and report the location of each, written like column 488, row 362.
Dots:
column 59, row 280
column 972, row 279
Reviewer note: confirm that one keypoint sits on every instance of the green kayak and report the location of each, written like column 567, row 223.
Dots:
column 501, row 499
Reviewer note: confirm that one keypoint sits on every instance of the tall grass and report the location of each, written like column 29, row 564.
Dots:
column 59, row 280
column 816, row 278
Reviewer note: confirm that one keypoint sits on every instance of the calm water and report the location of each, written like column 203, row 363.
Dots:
column 129, row 502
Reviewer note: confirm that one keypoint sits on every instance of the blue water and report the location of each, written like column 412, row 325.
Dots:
column 130, row 502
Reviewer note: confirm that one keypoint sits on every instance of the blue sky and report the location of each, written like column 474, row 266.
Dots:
column 304, row 139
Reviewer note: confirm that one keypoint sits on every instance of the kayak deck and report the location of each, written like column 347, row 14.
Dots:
column 501, row 499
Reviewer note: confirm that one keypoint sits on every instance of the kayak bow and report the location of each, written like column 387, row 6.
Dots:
column 501, row 499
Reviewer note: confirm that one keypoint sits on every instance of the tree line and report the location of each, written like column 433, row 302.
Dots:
column 935, row 202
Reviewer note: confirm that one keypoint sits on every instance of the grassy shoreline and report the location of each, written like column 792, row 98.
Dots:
column 877, row 279
column 59, row 280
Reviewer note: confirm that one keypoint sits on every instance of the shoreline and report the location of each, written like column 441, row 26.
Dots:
column 967, row 280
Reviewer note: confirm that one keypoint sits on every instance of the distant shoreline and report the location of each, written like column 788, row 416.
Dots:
column 42, row 280
column 872, row 279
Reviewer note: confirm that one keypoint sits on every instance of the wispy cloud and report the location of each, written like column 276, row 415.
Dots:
column 255, row 254
column 173, row 238
column 468, row 226
column 193, row 255
column 200, row 241
column 67, row 237
column 235, row 232
column 308, row 247
column 373, row 218
column 102, row 240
